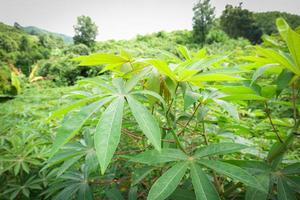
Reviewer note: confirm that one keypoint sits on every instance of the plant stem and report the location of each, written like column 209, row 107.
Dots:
column 216, row 180
column 190, row 119
column 271, row 122
column 169, row 108
column 294, row 104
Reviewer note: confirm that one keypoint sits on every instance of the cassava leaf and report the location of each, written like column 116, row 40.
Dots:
column 108, row 132
column 146, row 122
column 168, row 182
column 203, row 187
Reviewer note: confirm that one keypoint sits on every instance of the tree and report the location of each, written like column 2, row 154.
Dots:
column 85, row 31
column 239, row 22
column 204, row 15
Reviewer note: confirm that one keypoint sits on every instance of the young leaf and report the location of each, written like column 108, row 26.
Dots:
column 162, row 67
column 168, row 182
column 73, row 125
column 243, row 97
column 233, row 172
column 146, row 122
column 203, row 188
column 184, row 52
column 100, row 59
column 108, row 131
column 219, row 149
column 153, row 157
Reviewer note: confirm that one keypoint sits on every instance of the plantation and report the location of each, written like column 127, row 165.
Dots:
column 162, row 116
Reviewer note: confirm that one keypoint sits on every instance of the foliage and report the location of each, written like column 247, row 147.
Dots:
column 164, row 120
column 216, row 36
column 265, row 20
column 239, row 22
column 204, row 15
column 85, row 31
column 62, row 71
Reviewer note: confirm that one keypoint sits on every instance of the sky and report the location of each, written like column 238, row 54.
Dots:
column 121, row 19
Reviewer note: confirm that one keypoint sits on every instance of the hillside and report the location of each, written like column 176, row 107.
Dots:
column 33, row 30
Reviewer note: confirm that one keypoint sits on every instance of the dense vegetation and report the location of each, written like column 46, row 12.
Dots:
column 166, row 115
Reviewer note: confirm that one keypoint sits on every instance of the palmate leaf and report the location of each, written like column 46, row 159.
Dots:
column 203, row 188
column 219, row 149
column 73, row 125
column 146, row 122
column 153, row 157
column 108, row 132
column 233, row 172
column 168, row 182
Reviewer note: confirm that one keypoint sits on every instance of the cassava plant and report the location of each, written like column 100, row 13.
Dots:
column 153, row 127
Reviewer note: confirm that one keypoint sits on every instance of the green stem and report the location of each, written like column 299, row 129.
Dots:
column 190, row 119
column 271, row 122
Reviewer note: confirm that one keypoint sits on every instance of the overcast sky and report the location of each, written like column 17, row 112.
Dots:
column 121, row 19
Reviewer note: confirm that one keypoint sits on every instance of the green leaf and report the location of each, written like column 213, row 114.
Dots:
column 146, row 122
column 284, row 191
column 100, row 59
column 190, row 98
column 162, row 67
column 292, row 169
column 184, row 52
column 233, row 172
column 168, row 182
column 292, row 39
column 235, row 89
column 255, row 194
column 252, row 166
column 62, row 111
column 114, row 194
column 219, row 149
column 133, row 193
column 153, row 94
column 134, row 80
column 85, row 192
column 182, row 194
column 72, row 125
column 214, row 77
column 231, row 109
column 140, row 173
column 152, row 157
column 108, row 132
column 282, row 27
column 243, row 97
column 260, row 71
column 203, row 188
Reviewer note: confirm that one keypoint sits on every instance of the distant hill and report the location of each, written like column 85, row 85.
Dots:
column 35, row 31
